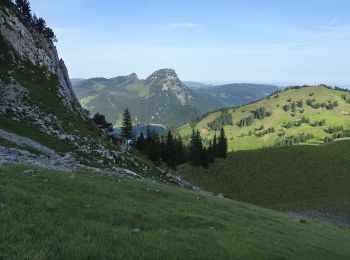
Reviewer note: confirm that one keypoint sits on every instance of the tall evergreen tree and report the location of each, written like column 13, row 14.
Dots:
column 35, row 19
column 140, row 142
column 24, row 8
column 170, row 152
column 215, row 146
column 40, row 24
column 155, row 148
column 211, row 152
column 180, row 151
column 126, row 129
column 196, row 148
column 204, row 158
column 222, row 144
column 101, row 122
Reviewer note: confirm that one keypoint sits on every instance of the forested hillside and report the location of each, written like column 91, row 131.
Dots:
column 310, row 114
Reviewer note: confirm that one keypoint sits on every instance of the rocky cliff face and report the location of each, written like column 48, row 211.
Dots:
column 34, row 84
column 27, row 45
column 41, row 120
column 166, row 80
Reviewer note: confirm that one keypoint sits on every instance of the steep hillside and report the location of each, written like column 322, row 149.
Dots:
column 311, row 180
column 41, row 120
column 161, row 98
column 52, row 215
column 306, row 114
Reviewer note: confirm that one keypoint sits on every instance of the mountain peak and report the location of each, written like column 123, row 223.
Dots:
column 133, row 75
column 125, row 80
column 162, row 74
column 167, row 81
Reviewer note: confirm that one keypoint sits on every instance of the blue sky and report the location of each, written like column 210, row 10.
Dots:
column 270, row 41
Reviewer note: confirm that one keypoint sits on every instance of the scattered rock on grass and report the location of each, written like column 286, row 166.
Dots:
column 28, row 172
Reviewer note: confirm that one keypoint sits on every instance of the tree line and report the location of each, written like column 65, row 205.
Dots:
column 173, row 151
column 23, row 6
column 168, row 148
column 337, row 135
column 259, row 113
column 329, row 105
column 291, row 140
column 224, row 119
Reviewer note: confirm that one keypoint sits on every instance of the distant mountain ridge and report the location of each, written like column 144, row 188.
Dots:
column 236, row 93
column 196, row 84
column 161, row 98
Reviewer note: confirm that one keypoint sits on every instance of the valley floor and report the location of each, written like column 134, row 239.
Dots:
column 47, row 214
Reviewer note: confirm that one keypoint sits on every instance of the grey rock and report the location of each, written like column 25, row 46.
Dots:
column 63, row 137
column 11, row 158
column 25, row 141
column 47, row 119
column 28, row 172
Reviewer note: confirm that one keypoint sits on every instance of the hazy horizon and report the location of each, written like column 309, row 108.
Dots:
column 220, row 82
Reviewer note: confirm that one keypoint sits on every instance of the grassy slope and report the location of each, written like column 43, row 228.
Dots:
column 25, row 129
column 279, row 116
column 6, row 143
column 51, row 216
column 294, row 178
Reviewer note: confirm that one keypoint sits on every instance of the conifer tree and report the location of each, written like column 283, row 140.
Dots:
column 140, row 142
column 40, row 24
column 170, row 152
column 215, row 146
column 126, row 129
column 222, row 144
column 180, row 151
column 24, row 8
column 211, row 152
column 204, row 158
column 196, row 148
column 101, row 122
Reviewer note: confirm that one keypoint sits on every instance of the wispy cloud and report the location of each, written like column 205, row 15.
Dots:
column 323, row 35
column 185, row 25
